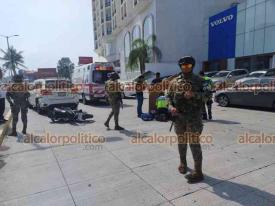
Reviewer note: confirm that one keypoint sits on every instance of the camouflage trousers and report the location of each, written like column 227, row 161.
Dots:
column 115, row 112
column 207, row 103
column 189, row 133
column 15, row 109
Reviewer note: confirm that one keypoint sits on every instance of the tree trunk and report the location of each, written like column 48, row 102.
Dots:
column 142, row 67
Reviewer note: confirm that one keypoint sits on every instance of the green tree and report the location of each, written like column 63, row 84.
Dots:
column 65, row 68
column 12, row 59
column 143, row 51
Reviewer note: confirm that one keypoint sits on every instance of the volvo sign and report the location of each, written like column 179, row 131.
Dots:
column 222, row 20
column 222, row 35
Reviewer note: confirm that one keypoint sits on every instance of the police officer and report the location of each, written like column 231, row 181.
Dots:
column 112, row 88
column 18, row 97
column 208, row 96
column 185, row 94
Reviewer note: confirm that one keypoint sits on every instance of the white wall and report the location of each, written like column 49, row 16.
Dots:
column 180, row 27
column 183, row 30
column 165, row 69
column 119, row 40
column 231, row 64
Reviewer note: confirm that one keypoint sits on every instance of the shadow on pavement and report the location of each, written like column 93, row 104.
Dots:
column 74, row 123
column 4, row 148
column 113, row 139
column 225, row 190
column 262, row 109
column 129, row 133
column 220, row 121
column 2, row 164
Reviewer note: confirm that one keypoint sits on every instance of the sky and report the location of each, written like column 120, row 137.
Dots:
column 48, row 29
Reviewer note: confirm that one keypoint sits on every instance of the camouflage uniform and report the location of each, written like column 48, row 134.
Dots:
column 112, row 88
column 188, row 122
column 17, row 96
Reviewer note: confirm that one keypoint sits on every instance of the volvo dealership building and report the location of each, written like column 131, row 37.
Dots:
column 242, row 36
column 220, row 34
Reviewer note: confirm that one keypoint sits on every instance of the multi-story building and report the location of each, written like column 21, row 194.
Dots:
column 185, row 27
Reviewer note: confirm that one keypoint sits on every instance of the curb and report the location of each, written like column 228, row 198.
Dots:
column 4, row 127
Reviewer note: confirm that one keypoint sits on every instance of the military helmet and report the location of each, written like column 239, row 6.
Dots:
column 114, row 76
column 187, row 60
column 17, row 78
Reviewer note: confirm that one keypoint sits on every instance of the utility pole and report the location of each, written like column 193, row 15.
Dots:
column 8, row 44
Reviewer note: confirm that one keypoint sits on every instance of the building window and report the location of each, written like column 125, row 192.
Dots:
column 127, row 45
column 123, row 9
column 103, row 30
column 148, row 27
column 107, row 3
column 136, row 34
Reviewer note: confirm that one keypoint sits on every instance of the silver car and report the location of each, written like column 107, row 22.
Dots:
column 259, row 92
column 227, row 78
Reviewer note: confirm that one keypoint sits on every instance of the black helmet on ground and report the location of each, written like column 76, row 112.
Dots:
column 17, row 78
column 114, row 76
column 187, row 60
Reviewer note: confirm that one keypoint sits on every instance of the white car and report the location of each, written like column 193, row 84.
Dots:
column 259, row 73
column 128, row 86
column 228, row 78
column 50, row 93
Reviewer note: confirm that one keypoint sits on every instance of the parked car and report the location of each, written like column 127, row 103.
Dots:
column 257, row 73
column 211, row 73
column 257, row 92
column 270, row 73
column 129, row 85
column 50, row 93
column 226, row 78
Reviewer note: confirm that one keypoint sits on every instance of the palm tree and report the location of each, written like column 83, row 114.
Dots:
column 12, row 59
column 65, row 68
column 143, row 51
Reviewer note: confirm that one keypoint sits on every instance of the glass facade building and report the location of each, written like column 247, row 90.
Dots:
column 255, row 37
column 255, row 28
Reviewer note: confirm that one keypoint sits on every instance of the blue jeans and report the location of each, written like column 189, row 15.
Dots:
column 139, row 104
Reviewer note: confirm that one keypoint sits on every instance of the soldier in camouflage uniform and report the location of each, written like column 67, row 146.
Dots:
column 112, row 88
column 18, row 97
column 185, row 95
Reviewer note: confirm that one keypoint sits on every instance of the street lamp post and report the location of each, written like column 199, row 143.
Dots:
column 7, row 38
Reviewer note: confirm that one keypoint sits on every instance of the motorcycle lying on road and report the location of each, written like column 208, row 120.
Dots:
column 69, row 115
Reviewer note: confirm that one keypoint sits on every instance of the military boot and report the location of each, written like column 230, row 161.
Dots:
column 196, row 176
column 106, row 124
column 24, row 131
column 183, row 167
column 210, row 116
column 117, row 127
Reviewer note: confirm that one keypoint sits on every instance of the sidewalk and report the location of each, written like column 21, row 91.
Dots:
column 4, row 127
column 124, row 174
